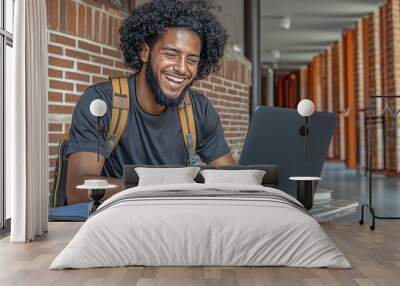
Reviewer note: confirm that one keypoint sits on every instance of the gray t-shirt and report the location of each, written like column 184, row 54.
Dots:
column 148, row 139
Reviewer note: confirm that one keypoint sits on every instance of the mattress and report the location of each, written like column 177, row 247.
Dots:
column 201, row 225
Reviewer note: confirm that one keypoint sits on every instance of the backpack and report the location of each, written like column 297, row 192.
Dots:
column 119, row 118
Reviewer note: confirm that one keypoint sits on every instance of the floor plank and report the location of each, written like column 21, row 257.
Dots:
column 375, row 256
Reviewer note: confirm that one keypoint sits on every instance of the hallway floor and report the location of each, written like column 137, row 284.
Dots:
column 349, row 184
column 374, row 256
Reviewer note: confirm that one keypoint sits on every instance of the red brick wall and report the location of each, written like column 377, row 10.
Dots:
column 229, row 91
column 82, row 47
column 83, row 50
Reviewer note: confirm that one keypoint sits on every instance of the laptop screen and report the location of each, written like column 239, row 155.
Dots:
column 274, row 138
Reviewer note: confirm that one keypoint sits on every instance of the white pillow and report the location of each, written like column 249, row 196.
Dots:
column 164, row 176
column 248, row 177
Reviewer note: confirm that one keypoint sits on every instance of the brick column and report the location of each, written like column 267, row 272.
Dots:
column 323, row 98
column 374, row 72
column 335, row 98
column 359, row 92
column 349, row 98
column 303, row 83
column 341, row 126
column 390, row 27
column 329, row 99
column 314, row 81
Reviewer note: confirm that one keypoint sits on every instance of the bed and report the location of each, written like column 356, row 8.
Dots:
column 197, row 224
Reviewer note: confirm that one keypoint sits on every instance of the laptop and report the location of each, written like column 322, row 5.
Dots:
column 274, row 138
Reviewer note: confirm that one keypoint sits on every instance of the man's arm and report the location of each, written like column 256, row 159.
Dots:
column 226, row 160
column 83, row 166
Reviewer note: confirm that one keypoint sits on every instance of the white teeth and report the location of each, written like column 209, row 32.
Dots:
column 174, row 79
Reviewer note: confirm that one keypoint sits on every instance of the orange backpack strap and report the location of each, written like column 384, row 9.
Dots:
column 188, row 126
column 120, row 112
column 58, row 197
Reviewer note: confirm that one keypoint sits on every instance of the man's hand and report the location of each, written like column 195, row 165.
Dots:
column 226, row 160
column 83, row 166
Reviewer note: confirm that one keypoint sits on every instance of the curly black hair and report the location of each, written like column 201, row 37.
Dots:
column 148, row 21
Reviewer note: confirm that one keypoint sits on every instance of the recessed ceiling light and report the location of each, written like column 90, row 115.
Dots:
column 237, row 49
column 285, row 23
column 276, row 54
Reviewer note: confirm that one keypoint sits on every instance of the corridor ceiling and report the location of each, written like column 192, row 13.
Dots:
column 315, row 26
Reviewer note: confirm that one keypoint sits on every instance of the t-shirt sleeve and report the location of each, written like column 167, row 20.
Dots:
column 83, row 131
column 212, row 145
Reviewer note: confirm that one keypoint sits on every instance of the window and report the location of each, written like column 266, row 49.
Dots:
column 6, row 45
column 9, row 16
column 9, row 65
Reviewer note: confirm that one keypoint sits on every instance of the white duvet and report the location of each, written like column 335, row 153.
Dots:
column 192, row 231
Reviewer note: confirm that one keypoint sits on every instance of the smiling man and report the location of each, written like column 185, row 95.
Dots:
column 170, row 44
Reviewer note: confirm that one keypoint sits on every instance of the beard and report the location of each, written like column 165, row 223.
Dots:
column 159, row 95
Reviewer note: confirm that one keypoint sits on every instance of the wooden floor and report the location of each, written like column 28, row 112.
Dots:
column 375, row 257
